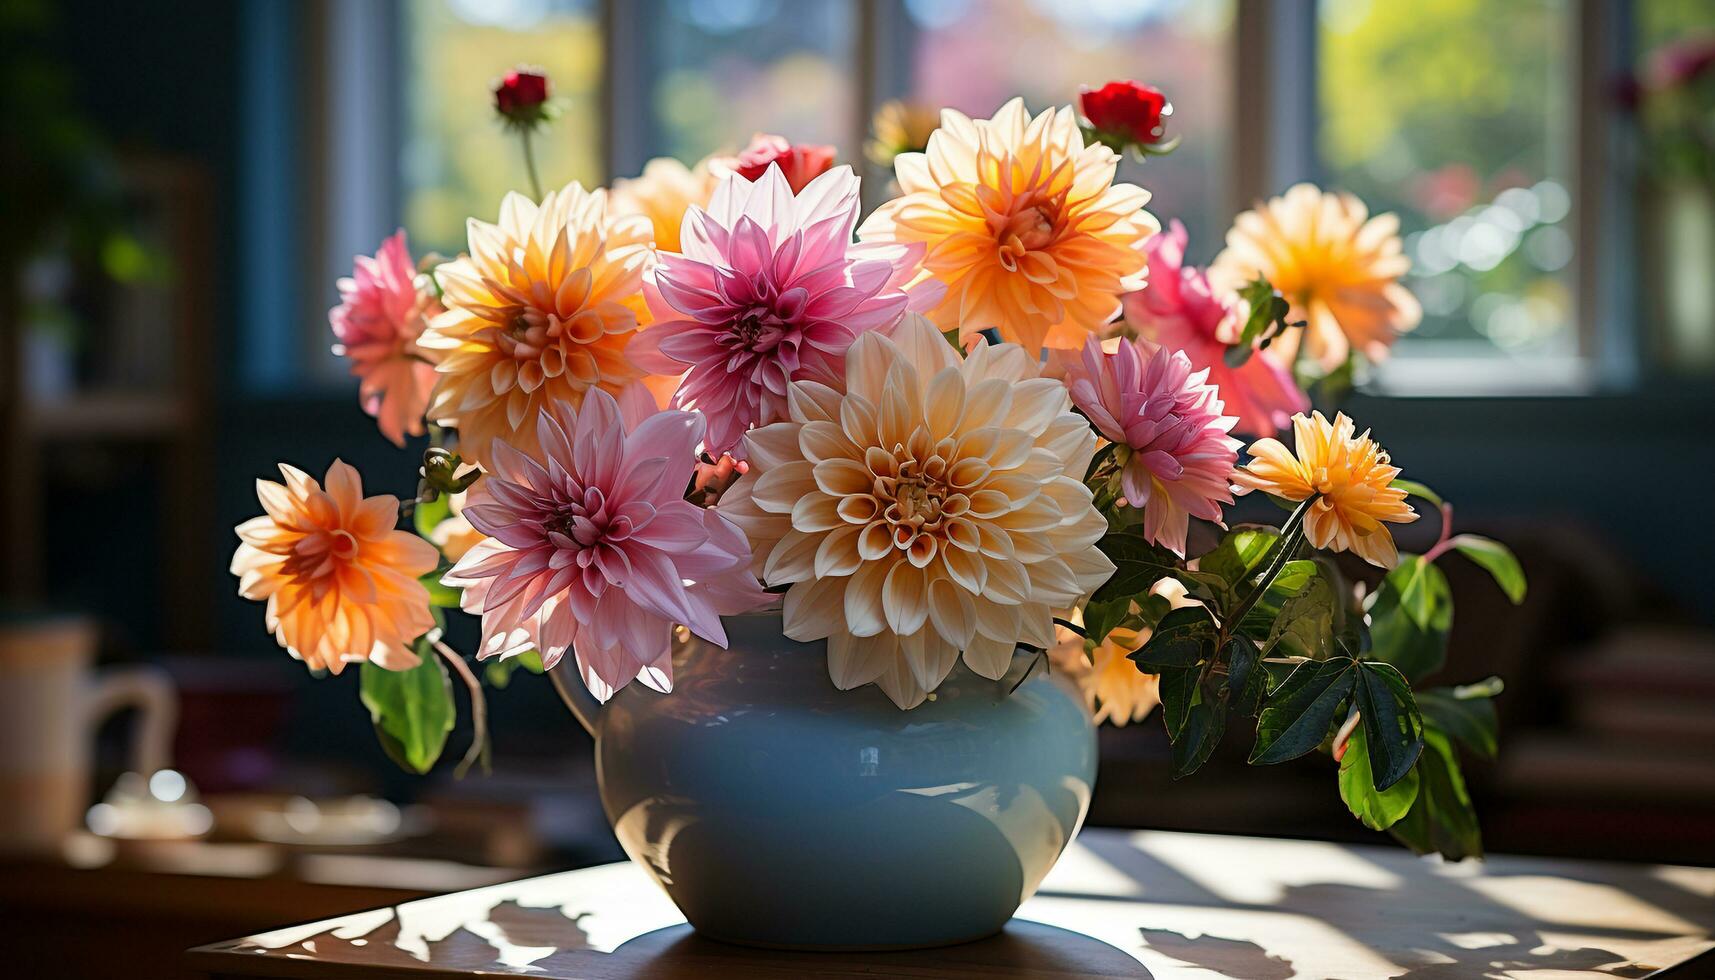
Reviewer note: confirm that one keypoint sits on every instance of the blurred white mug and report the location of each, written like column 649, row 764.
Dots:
column 51, row 703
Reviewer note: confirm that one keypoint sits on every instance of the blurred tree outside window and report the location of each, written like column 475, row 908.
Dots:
column 457, row 160
column 974, row 55
column 1456, row 115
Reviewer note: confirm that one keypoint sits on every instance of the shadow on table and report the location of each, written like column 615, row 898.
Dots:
column 1022, row 948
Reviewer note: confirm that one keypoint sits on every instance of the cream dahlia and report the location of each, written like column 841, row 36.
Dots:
column 1339, row 267
column 1024, row 225
column 340, row 581
column 663, row 193
column 539, row 312
column 593, row 549
column 933, row 508
column 769, row 290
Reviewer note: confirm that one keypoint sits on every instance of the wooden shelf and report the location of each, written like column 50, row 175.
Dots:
column 98, row 415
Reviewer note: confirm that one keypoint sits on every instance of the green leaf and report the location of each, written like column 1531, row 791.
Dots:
column 1137, row 565
column 1305, row 625
column 1471, row 720
column 1441, row 819
column 1239, row 554
column 1396, row 637
column 412, row 710
column 440, row 596
column 1267, row 308
column 426, row 515
column 1415, row 489
column 1423, row 593
column 1299, row 712
column 1293, row 577
column 1178, row 689
column 1497, row 559
column 1393, row 727
column 1184, row 638
column 1205, row 722
column 1377, row 809
column 1246, row 685
column 498, row 672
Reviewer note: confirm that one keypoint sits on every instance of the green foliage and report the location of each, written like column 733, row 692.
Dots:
column 1393, row 727
column 426, row 515
column 1466, row 713
column 1304, row 625
column 412, row 710
column 1184, row 638
column 1415, row 489
column 1299, row 712
column 1497, row 559
column 1377, row 809
column 1411, row 635
column 499, row 671
column 1441, row 819
column 1267, row 319
column 440, row 596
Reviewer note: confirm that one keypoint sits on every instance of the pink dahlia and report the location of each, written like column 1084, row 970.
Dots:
column 1177, row 459
column 595, row 550
column 769, row 289
column 383, row 308
column 1180, row 311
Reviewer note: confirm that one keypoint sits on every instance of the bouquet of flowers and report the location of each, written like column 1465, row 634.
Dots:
column 997, row 412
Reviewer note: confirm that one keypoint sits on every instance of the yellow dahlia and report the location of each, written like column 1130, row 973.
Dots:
column 663, row 193
column 1339, row 267
column 1351, row 472
column 1024, row 225
column 539, row 311
column 932, row 509
column 340, row 580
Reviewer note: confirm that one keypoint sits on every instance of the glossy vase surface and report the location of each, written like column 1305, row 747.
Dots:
column 778, row 810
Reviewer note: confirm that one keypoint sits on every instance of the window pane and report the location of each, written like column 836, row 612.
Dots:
column 1456, row 115
column 973, row 55
column 720, row 71
column 458, row 161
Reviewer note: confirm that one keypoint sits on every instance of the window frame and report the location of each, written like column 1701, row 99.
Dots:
column 1274, row 84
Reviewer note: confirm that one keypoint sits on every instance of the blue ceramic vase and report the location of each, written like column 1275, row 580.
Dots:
column 777, row 810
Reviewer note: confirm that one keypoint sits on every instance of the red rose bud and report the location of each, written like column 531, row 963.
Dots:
column 522, row 97
column 1127, row 115
column 798, row 164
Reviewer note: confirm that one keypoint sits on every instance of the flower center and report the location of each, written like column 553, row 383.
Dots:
column 757, row 330
column 1030, row 227
column 342, row 545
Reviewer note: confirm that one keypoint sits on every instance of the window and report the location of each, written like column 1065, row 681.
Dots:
column 1470, row 119
column 718, row 72
column 973, row 55
column 1456, row 116
column 454, row 164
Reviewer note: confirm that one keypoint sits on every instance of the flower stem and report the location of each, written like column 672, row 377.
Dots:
column 530, row 163
column 1443, row 543
column 1290, row 536
column 1074, row 627
column 478, row 750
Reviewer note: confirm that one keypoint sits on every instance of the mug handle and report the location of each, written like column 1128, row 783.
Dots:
column 150, row 691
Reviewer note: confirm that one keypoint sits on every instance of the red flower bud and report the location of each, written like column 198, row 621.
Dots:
column 521, row 95
column 798, row 164
column 1126, row 113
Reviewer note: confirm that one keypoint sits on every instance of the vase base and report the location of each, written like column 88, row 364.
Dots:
column 846, row 947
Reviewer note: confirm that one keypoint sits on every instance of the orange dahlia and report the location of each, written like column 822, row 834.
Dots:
column 340, row 580
column 1024, row 224
column 1339, row 267
column 663, row 192
column 539, row 311
column 1351, row 473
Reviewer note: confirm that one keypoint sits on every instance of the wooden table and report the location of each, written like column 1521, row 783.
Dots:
column 1119, row 904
